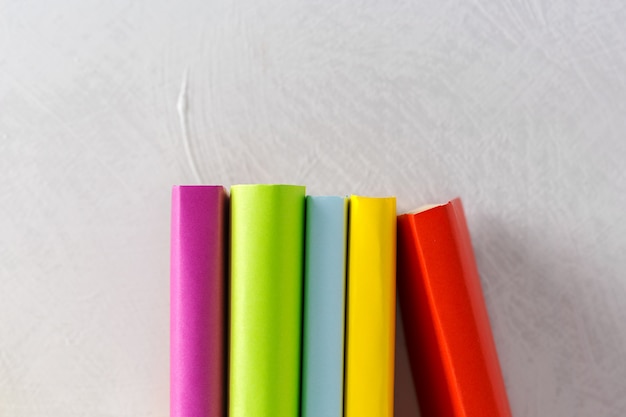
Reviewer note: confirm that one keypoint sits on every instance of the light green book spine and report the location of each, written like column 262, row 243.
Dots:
column 267, row 238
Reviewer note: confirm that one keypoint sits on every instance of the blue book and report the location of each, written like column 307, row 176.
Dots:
column 324, row 306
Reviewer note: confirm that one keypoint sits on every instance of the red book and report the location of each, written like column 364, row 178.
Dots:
column 451, row 349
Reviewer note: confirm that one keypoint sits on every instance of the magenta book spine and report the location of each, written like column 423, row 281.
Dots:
column 197, row 301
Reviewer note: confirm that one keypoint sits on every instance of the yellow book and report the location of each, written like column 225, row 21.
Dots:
column 371, row 307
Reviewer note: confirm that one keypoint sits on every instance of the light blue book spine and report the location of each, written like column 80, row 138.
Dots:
column 324, row 306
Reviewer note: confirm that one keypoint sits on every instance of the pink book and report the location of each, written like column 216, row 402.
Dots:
column 197, row 301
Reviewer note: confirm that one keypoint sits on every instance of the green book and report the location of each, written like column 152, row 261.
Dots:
column 267, row 239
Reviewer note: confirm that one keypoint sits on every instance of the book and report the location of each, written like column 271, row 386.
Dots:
column 324, row 305
column 267, row 248
column 197, row 301
column 451, row 349
column 371, row 307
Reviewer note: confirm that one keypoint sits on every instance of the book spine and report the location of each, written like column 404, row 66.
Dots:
column 324, row 306
column 197, row 291
column 451, row 348
column 267, row 239
column 371, row 307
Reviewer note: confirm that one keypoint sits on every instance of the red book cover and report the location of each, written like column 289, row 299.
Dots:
column 451, row 349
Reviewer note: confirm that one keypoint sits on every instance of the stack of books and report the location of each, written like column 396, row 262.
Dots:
column 283, row 304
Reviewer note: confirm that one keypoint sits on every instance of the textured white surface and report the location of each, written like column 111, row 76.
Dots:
column 518, row 107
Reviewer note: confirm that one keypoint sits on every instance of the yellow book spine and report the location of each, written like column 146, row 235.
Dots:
column 371, row 307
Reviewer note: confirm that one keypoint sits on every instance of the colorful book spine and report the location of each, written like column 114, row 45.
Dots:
column 371, row 308
column 198, row 282
column 324, row 306
column 267, row 248
column 451, row 349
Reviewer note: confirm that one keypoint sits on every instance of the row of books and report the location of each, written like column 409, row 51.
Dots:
column 284, row 304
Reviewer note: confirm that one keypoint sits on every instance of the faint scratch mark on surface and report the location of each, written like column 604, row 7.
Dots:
column 181, row 108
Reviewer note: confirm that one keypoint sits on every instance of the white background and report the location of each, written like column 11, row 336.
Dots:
column 519, row 107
